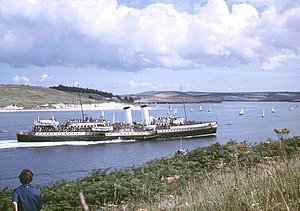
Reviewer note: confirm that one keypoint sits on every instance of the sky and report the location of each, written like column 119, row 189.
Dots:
column 132, row 46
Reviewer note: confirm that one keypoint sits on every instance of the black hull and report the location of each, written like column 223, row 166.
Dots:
column 28, row 137
column 189, row 133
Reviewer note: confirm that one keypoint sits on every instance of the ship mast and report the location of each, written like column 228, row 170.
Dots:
column 183, row 103
column 81, row 104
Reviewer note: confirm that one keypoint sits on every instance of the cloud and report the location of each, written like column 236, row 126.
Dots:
column 146, row 84
column 108, row 35
column 45, row 77
column 132, row 84
column 20, row 80
column 278, row 60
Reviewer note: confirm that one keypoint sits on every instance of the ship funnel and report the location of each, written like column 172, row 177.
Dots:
column 145, row 115
column 127, row 115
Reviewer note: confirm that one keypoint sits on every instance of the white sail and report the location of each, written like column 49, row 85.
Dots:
column 200, row 108
column 242, row 112
column 273, row 110
column 175, row 111
column 113, row 119
column 263, row 114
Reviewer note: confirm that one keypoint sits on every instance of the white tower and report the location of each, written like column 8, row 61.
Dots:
column 145, row 115
column 127, row 115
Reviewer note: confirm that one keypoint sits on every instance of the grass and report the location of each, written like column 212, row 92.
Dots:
column 30, row 97
column 234, row 176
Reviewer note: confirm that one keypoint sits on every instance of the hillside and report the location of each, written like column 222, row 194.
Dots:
column 200, row 97
column 32, row 97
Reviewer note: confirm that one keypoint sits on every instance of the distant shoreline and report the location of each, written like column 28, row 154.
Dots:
column 71, row 107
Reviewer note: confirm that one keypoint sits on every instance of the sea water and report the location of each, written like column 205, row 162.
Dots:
column 71, row 160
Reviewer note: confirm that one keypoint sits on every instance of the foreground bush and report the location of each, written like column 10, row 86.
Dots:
column 234, row 176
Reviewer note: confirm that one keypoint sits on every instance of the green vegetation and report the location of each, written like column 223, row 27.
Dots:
column 82, row 90
column 35, row 97
column 234, row 176
column 93, row 93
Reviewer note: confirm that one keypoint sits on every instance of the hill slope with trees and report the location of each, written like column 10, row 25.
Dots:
column 34, row 97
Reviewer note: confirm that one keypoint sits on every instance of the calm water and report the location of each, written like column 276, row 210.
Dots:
column 71, row 160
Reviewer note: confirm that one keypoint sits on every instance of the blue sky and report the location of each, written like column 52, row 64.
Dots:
column 131, row 46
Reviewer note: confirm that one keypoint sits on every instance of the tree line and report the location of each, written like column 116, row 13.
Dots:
column 91, row 91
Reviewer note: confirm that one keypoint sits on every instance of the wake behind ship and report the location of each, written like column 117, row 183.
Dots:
column 89, row 129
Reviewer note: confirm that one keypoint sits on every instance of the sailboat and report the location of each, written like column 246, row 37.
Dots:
column 181, row 151
column 242, row 112
column 273, row 110
column 263, row 114
column 175, row 112
column 192, row 109
column 200, row 108
column 102, row 114
column 113, row 118
column 209, row 109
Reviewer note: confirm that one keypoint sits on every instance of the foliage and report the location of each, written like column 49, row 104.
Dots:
column 234, row 176
column 82, row 90
column 92, row 91
column 128, row 99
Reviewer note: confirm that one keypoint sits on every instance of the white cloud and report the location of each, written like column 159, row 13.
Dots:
column 20, row 80
column 278, row 60
column 132, row 84
column 146, row 84
column 103, row 34
column 45, row 77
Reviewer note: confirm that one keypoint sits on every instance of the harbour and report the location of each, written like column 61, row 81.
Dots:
column 70, row 160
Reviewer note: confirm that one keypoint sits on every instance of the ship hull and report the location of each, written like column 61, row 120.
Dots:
column 200, row 130
column 189, row 134
column 132, row 135
column 34, row 137
column 187, row 131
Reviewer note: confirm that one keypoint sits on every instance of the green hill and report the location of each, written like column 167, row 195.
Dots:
column 33, row 97
column 200, row 97
column 29, row 97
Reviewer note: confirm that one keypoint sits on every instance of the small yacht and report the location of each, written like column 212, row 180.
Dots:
column 242, row 112
column 181, row 151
